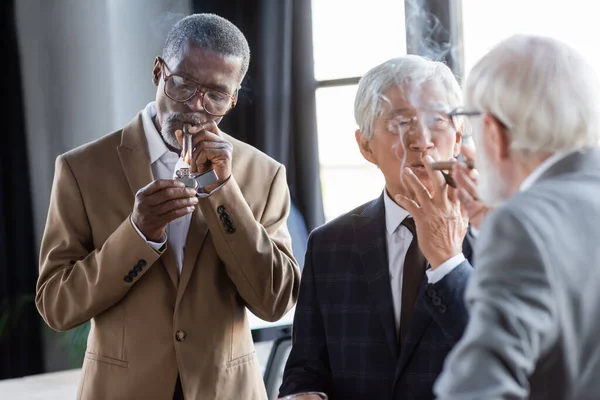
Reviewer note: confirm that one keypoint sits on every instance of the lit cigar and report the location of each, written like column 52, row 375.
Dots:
column 444, row 166
column 448, row 165
column 183, row 165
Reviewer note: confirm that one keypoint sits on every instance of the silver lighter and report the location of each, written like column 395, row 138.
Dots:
column 183, row 172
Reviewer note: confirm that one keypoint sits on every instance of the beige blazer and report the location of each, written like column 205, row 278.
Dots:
column 149, row 323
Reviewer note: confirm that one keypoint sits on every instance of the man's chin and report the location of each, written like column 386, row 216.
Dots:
column 171, row 140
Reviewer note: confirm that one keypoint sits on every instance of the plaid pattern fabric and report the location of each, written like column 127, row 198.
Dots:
column 345, row 340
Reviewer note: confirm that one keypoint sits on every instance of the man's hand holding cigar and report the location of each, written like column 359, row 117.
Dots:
column 462, row 175
column 210, row 151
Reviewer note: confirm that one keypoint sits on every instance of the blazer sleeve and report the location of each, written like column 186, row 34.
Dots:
column 78, row 281
column 512, row 315
column 257, row 254
column 445, row 301
column 307, row 368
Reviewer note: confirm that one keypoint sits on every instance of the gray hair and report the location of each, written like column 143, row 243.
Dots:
column 406, row 69
column 208, row 31
column 542, row 90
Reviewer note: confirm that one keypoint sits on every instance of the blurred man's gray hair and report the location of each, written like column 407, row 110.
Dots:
column 544, row 91
column 410, row 69
column 208, row 31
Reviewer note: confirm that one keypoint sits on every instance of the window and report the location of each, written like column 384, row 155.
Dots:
column 485, row 23
column 349, row 38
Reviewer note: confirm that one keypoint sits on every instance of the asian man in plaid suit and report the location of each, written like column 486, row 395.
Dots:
column 378, row 311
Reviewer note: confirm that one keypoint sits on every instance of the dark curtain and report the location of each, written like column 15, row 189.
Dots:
column 20, row 324
column 276, row 112
column 433, row 30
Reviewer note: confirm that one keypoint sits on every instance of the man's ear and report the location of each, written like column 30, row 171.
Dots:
column 459, row 137
column 156, row 71
column 364, row 145
column 498, row 138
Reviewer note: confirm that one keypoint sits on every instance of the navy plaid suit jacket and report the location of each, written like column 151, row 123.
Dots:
column 344, row 334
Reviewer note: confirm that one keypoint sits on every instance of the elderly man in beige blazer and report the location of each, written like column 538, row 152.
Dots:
column 165, row 273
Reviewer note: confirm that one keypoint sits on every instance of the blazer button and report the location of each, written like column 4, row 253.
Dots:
column 180, row 336
column 436, row 301
column 137, row 269
column 141, row 263
column 128, row 279
column 431, row 292
column 442, row 309
column 231, row 229
column 220, row 209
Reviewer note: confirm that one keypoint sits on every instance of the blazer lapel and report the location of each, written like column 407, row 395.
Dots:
column 418, row 325
column 193, row 244
column 135, row 160
column 369, row 233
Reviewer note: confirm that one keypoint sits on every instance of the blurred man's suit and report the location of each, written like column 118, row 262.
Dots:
column 535, row 298
column 346, row 340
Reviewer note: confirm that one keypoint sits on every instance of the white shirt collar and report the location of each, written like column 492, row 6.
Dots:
column 394, row 214
column 543, row 167
column 156, row 146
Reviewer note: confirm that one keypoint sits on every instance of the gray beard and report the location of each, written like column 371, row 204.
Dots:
column 171, row 140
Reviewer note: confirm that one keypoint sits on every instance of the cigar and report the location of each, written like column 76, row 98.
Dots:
column 448, row 165
column 444, row 166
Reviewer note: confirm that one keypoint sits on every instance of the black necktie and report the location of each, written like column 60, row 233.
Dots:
column 412, row 277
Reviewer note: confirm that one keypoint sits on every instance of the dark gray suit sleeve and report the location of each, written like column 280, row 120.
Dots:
column 512, row 316
column 307, row 368
column 445, row 301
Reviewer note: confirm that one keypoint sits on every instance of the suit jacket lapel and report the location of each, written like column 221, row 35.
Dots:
column 418, row 325
column 135, row 160
column 193, row 244
column 369, row 233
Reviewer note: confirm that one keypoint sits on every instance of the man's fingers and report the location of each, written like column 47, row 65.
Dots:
column 465, row 179
column 437, row 179
column 409, row 205
column 158, row 185
column 420, row 191
column 176, row 204
column 169, row 194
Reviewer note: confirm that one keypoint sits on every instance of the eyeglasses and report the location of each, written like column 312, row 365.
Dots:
column 182, row 89
column 460, row 112
column 437, row 121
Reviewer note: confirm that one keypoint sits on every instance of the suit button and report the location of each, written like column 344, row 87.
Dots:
column 132, row 273
column 436, row 301
column 221, row 209
column 137, row 269
column 431, row 292
column 141, row 263
column 230, row 229
column 180, row 336
column 128, row 279
column 442, row 309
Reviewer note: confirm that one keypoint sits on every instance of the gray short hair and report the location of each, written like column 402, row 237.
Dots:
column 543, row 90
column 208, row 31
column 410, row 68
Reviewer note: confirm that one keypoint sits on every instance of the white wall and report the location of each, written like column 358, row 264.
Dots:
column 86, row 71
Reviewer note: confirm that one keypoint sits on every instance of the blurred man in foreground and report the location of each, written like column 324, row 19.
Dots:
column 533, row 300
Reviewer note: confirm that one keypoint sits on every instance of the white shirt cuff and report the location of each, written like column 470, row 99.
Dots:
column 436, row 275
column 155, row 245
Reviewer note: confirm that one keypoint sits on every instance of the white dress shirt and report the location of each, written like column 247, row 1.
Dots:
column 163, row 161
column 398, row 239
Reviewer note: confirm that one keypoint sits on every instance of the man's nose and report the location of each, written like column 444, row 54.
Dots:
column 196, row 103
column 419, row 139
